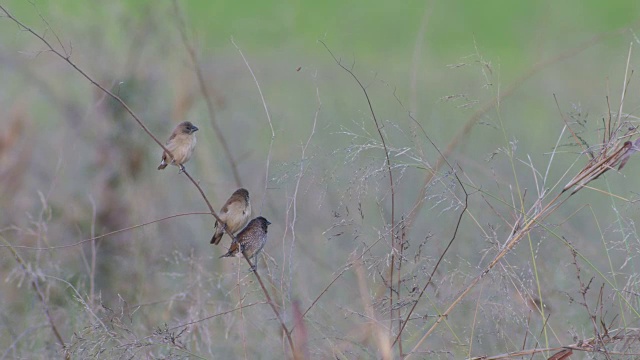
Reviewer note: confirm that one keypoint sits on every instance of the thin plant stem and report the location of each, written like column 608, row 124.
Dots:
column 205, row 94
column 394, row 247
column 41, row 298
column 266, row 110
column 49, row 248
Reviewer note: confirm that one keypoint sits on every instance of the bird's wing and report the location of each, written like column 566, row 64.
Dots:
column 173, row 135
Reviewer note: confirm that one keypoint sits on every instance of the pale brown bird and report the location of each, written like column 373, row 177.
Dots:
column 234, row 215
column 181, row 144
column 250, row 241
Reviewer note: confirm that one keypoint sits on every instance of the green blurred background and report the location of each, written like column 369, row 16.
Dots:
column 73, row 165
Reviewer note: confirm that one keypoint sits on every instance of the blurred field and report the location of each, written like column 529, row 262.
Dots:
column 74, row 165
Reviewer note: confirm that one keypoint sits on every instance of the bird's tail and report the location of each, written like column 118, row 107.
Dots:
column 228, row 254
column 217, row 236
column 233, row 249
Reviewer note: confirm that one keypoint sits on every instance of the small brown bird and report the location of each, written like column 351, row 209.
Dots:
column 250, row 240
column 181, row 144
column 234, row 215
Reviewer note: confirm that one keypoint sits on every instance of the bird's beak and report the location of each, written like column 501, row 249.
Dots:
column 195, row 128
column 268, row 222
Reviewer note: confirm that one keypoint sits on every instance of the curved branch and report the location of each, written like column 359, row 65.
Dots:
column 394, row 245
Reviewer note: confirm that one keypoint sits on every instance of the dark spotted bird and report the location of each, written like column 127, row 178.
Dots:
column 250, row 240
column 181, row 144
column 234, row 215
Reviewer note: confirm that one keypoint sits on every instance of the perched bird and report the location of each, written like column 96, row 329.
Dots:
column 181, row 144
column 234, row 215
column 250, row 240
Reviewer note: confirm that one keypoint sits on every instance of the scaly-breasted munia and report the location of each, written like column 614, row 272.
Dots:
column 181, row 144
column 234, row 215
column 250, row 241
